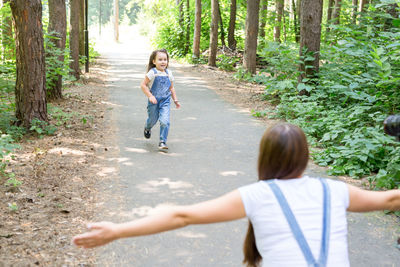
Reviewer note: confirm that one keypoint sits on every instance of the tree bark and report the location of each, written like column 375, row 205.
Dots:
column 336, row 12
column 197, row 30
column 329, row 15
column 30, row 88
column 58, row 27
column 278, row 22
column 250, row 50
column 74, row 38
column 363, row 5
column 232, row 25
column 221, row 27
column 354, row 10
column 296, row 21
column 212, row 57
column 187, row 43
column 310, row 37
column 116, row 20
column 82, row 28
column 263, row 18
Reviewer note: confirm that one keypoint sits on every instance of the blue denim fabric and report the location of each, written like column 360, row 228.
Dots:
column 161, row 110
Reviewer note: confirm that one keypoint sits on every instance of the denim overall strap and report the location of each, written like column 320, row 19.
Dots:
column 161, row 85
column 294, row 226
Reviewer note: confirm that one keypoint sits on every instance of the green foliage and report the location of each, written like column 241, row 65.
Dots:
column 55, row 66
column 355, row 90
column 227, row 62
column 7, row 146
column 42, row 128
column 13, row 182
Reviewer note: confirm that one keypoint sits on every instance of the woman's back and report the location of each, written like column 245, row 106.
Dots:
column 274, row 238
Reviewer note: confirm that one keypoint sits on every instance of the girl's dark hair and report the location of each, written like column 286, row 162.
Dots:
column 153, row 56
column 283, row 155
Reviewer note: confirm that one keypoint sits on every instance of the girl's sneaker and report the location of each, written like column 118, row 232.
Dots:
column 162, row 146
column 147, row 133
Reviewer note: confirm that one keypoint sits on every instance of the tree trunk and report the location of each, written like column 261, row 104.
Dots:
column 296, row 21
column 310, row 37
column 250, row 50
column 336, row 12
column 187, row 43
column 278, row 22
column 221, row 27
column 58, row 27
column 7, row 38
column 74, row 38
column 116, row 20
column 354, row 10
column 212, row 57
column 232, row 24
column 30, row 88
column 197, row 30
column 329, row 15
column 82, row 28
column 263, row 18
column 363, row 5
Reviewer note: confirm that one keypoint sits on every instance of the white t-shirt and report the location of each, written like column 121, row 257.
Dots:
column 274, row 238
column 151, row 75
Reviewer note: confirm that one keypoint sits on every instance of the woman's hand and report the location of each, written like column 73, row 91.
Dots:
column 177, row 104
column 100, row 234
column 152, row 99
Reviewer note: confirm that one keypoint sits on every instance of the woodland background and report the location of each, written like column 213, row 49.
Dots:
column 331, row 67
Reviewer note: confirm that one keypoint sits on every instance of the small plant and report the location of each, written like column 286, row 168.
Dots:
column 226, row 62
column 13, row 182
column 13, row 206
column 258, row 114
column 42, row 128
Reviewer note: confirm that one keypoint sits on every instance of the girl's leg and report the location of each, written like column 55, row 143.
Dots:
column 152, row 113
column 164, row 119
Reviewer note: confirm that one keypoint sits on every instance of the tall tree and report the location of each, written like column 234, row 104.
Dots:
column 363, row 5
column 263, row 18
column 116, row 20
column 296, row 21
column 82, row 28
column 58, row 27
column 197, row 30
column 74, row 38
column 250, row 49
column 310, row 37
column 336, row 12
column 354, row 10
column 187, row 42
column 212, row 57
column 329, row 15
column 30, row 88
column 279, row 4
column 232, row 25
column 221, row 23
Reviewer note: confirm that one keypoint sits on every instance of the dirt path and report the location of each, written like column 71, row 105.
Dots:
column 85, row 173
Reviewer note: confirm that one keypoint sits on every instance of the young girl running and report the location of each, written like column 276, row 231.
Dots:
column 158, row 86
column 294, row 220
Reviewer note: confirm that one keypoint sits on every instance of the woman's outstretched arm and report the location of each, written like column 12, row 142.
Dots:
column 225, row 208
column 364, row 200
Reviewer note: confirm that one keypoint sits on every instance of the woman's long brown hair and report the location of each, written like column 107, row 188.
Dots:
column 153, row 56
column 283, row 155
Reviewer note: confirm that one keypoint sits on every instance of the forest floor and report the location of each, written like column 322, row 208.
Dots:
column 59, row 173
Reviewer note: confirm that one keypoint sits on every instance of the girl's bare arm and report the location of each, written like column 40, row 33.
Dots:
column 225, row 208
column 146, row 90
column 173, row 95
column 364, row 200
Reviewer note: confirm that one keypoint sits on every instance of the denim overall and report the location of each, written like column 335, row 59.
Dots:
column 160, row 111
column 298, row 234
